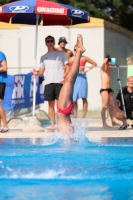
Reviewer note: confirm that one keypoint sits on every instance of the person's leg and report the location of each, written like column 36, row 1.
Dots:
column 85, row 107
column 75, row 109
column 0, row 124
column 51, row 112
column 111, row 109
column 105, row 100
column 119, row 114
column 3, row 116
column 65, row 97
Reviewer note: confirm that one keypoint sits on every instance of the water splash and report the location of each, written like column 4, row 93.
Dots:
column 76, row 137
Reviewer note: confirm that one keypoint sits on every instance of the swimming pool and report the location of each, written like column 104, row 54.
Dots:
column 36, row 168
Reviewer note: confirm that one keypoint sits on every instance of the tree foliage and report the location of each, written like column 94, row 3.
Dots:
column 4, row 2
column 119, row 12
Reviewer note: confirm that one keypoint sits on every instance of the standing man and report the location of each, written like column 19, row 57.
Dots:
column 62, row 43
column 3, row 80
column 106, row 92
column 55, row 65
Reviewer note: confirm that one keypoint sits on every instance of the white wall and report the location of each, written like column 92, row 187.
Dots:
column 9, row 45
column 21, row 42
column 19, row 46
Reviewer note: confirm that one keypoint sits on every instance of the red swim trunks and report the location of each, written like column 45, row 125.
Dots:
column 66, row 111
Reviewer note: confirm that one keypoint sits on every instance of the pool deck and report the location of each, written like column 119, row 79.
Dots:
column 94, row 130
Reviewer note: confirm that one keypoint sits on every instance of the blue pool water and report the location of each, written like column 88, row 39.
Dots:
column 47, row 169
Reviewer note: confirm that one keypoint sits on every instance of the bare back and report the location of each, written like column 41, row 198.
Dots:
column 68, row 52
column 105, row 78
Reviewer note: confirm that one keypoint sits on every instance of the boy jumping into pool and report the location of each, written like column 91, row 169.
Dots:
column 65, row 104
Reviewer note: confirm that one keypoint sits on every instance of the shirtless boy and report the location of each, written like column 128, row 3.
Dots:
column 106, row 92
column 65, row 101
column 62, row 43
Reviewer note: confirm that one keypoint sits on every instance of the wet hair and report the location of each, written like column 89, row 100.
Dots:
column 49, row 36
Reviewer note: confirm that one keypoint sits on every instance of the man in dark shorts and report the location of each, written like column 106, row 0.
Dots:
column 128, row 102
column 3, row 80
column 55, row 66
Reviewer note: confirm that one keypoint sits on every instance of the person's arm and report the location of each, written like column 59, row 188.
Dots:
column 104, row 62
column 39, row 72
column 67, row 69
column 116, row 105
column 87, row 59
column 66, row 65
column 71, row 53
column 3, row 67
column 118, row 101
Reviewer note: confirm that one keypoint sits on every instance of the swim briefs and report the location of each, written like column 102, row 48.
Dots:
column 66, row 111
column 107, row 89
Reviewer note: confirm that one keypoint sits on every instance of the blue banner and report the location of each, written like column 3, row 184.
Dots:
column 19, row 92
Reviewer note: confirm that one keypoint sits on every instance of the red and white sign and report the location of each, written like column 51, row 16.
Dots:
column 0, row 9
column 48, row 10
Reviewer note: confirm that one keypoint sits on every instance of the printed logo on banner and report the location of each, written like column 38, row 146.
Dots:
column 39, row 91
column 77, row 12
column 18, row 91
column 19, row 8
column 0, row 9
column 50, row 10
column 32, row 87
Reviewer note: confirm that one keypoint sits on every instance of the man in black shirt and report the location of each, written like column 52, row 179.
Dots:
column 128, row 102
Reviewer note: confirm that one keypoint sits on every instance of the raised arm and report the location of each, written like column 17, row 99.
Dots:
column 104, row 63
column 67, row 68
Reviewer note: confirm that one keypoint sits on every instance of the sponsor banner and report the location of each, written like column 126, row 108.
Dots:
column 19, row 92
column 50, row 10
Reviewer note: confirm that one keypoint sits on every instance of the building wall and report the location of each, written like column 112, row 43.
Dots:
column 9, row 45
column 118, row 46
column 19, row 46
